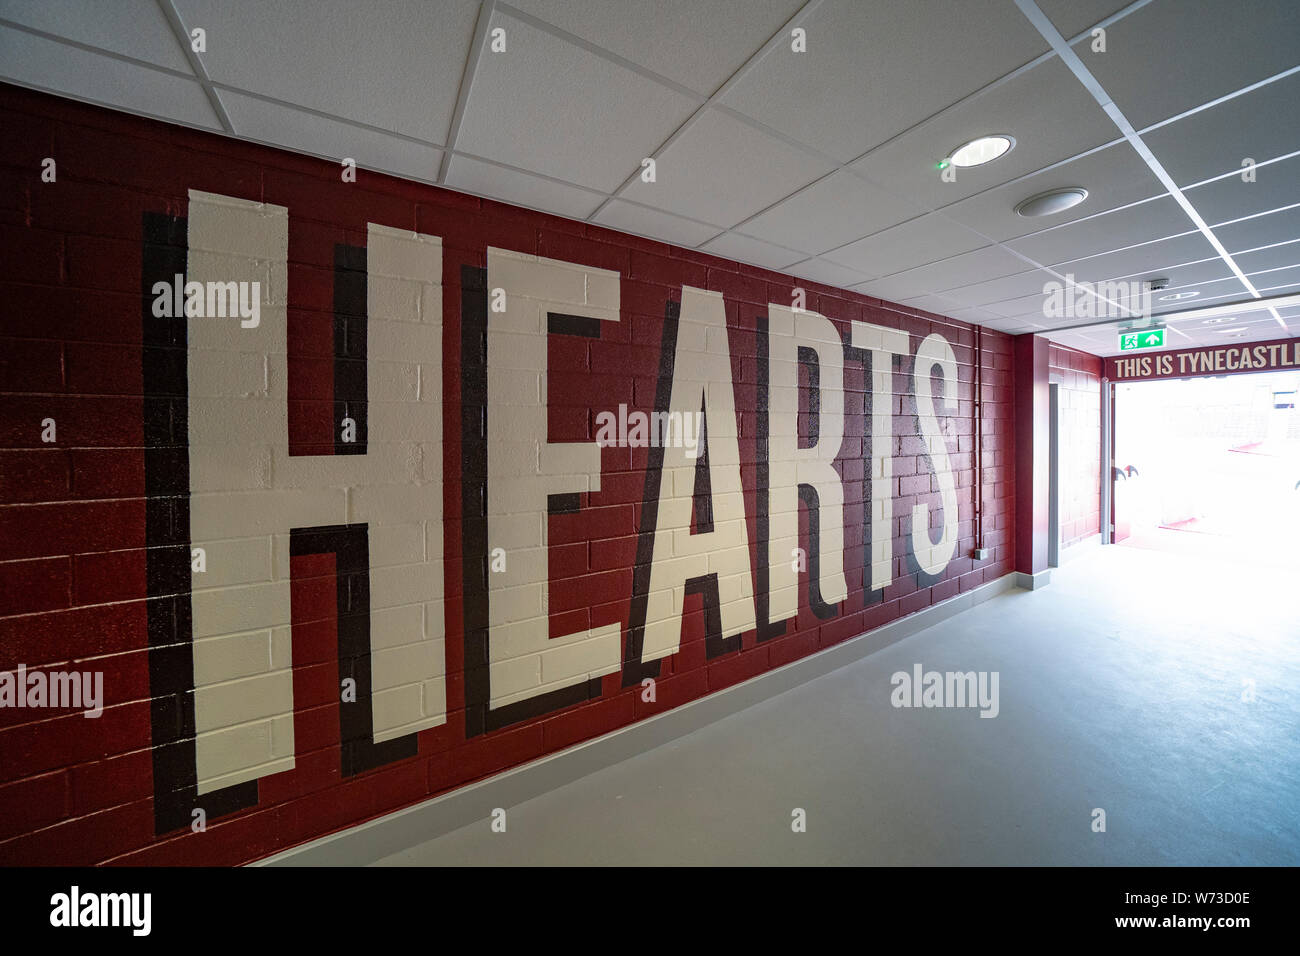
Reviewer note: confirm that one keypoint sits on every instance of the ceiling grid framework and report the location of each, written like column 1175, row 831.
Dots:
column 822, row 164
column 1084, row 75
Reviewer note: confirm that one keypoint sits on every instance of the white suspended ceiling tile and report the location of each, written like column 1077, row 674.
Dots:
column 835, row 210
column 522, row 189
column 1217, row 140
column 549, row 106
column 914, row 243
column 1185, row 276
column 1156, row 258
column 999, row 290
column 653, row 224
column 1113, row 230
column 1173, row 55
column 698, row 43
column 1276, row 185
column 395, row 65
column 1266, row 230
column 1229, row 287
column 938, row 304
column 1000, row 325
column 1045, row 110
column 1074, row 16
column 70, row 71
column 872, row 70
column 1277, row 257
column 1077, row 339
column 991, row 262
column 134, row 28
column 1115, row 176
column 972, row 315
column 754, row 251
column 722, row 170
column 1260, row 330
column 1217, row 329
column 1276, row 282
column 827, row 273
column 330, row 139
column 1029, row 307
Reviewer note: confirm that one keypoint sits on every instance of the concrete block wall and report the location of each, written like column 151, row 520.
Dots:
column 473, row 579
column 1079, row 376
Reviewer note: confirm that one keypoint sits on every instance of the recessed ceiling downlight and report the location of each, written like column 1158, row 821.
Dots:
column 1050, row 203
column 980, row 151
column 1175, row 296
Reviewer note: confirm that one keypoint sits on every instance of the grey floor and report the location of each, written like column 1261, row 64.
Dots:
column 1121, row 688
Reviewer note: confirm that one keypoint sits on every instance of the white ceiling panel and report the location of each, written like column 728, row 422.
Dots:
column 916, row 242
column 722, row 170
column 1217, row 140
column 585, row 89
column 72, row 71
column 1045, row 110
column 991, row 262
column 331, row 139
column 873, row 70
column 1276, row 281
column 653, row 224
column 1276, row 185
column 551, row 107
column 1152, row 258
column 828, row 273
column 972, row 315
column 294, row 52
column 1030, row 307
column 1266, row 230
column 940, row 305
column 1112, row 230
column 698, row 43
column 1075, row 16
column 1116, row 176
column 1274, row 257
column 1076, row 340
column 744, row 249
column 134, row 28
column 1180, row 277
column 522, row 189
column 1174, row 55
column 1226, row 288
column 999, row 290
column 831, row 212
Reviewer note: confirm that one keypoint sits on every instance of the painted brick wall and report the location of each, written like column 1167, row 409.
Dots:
column 327, row 560
column 1079, row 375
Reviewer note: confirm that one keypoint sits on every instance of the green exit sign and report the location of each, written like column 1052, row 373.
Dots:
column 1147, row 339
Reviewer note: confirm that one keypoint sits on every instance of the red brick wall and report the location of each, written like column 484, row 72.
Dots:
column 1079, row 376
column 75, row 516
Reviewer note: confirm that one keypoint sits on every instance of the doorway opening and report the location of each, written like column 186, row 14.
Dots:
column 1209, row 466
